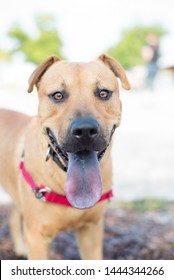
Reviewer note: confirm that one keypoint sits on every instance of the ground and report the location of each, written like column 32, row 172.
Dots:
column 140, row 230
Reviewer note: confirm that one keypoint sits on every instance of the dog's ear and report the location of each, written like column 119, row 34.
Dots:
column 40, row 70
column 117, row 69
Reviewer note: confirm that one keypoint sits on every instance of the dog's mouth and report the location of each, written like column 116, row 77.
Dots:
column 83, row 186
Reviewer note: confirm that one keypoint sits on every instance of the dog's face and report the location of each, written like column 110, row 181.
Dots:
column 79, row 106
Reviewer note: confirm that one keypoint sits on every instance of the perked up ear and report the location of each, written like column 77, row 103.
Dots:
column 40, row 70
column 118, row 70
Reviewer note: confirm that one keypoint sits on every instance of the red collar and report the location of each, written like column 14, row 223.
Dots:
column 45, row 194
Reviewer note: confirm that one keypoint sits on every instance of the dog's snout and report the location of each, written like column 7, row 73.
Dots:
column 85, row 129
column 84, row 133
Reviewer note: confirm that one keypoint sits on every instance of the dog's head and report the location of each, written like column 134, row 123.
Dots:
column 79, row 107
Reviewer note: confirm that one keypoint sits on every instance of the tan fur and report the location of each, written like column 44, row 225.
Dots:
column 18, row 133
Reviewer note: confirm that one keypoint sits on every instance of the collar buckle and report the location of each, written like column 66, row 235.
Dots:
column 41, row 192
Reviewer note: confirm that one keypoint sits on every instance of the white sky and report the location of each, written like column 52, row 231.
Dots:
column 89, row 27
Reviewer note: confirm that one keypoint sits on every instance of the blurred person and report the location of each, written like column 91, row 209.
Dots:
column 150, row 54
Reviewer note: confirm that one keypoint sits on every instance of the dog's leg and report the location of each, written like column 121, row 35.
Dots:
column 37, row 243
column 90, row 239
column 16, row 232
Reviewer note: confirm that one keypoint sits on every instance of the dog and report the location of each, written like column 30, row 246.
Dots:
column 57, row 165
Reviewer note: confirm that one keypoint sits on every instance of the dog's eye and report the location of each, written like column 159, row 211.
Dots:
column 57, row 96
column 104, row 94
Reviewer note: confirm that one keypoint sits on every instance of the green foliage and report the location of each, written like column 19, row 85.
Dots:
column 128, row 50
column 37, row 48
column 144, row 205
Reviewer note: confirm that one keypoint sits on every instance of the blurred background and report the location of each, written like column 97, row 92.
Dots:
column 140, row 35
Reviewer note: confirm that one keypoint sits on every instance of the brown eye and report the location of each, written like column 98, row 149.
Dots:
column 103, row 94
column 58, row 96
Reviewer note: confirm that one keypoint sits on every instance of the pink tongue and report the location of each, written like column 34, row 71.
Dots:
column 83, row 187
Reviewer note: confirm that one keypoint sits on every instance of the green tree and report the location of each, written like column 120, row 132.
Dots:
column 128, row 49
column 38, row 47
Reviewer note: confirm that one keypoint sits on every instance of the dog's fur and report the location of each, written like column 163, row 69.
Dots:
column 41, row 221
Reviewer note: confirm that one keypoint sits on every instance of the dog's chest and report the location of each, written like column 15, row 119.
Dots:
column 67, row 218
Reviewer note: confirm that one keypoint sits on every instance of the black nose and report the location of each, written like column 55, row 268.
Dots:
column 85, row 129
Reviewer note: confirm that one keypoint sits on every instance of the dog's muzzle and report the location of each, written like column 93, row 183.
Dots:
column 84, row 133
column 84, row 130
column 82, row 151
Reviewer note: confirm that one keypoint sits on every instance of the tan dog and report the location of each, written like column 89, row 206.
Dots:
column 79, row 109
